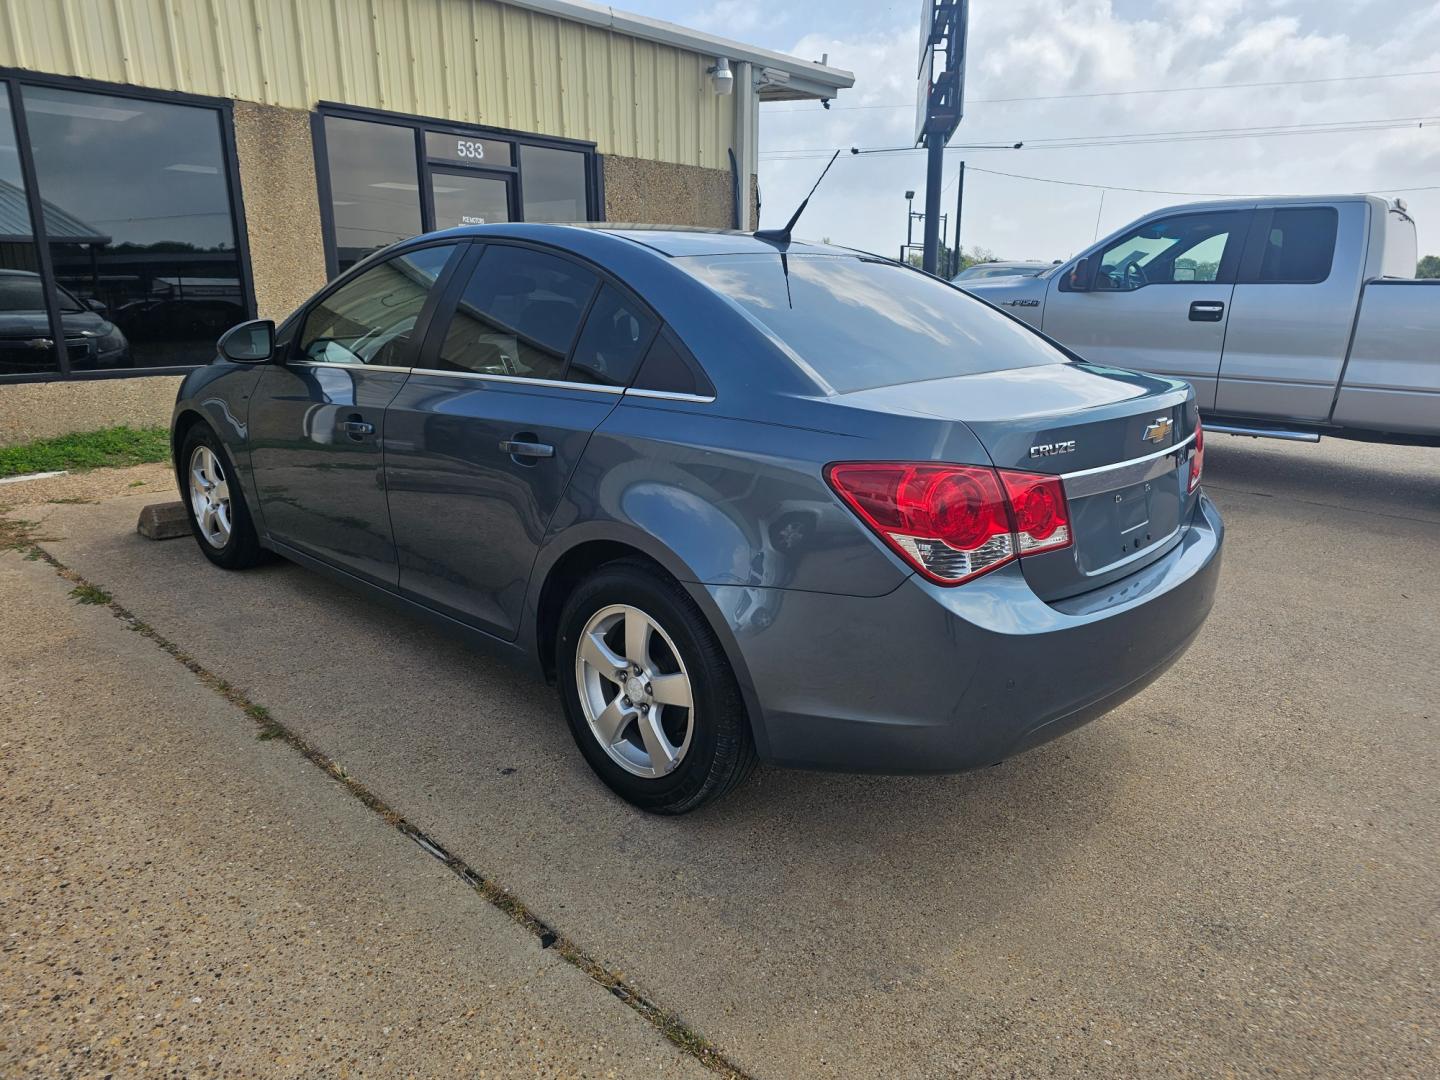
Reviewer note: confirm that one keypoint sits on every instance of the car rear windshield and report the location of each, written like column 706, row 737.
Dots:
column 858, row 323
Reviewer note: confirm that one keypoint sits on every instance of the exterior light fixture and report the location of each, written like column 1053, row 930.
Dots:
column 721, row 76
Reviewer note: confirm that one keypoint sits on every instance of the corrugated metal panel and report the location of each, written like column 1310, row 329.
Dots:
column 474, row 61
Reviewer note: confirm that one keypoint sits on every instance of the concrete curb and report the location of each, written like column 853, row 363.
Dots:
column 163, row 521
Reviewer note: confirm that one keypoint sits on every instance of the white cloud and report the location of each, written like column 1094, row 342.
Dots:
column 1043, row 47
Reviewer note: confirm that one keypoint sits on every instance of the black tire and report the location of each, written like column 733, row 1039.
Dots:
column 242, row 549
column 721, row 751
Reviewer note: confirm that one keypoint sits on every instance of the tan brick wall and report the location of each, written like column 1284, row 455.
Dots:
column 43, row 410
column 282, row 210
column 648, row 192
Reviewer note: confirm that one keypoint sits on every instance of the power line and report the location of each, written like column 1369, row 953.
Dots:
column 1130, row 93
column 1145, row 138
column 1161, row 191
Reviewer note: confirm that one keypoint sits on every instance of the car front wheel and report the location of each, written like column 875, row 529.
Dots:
column 219, row 517
column 651, row 699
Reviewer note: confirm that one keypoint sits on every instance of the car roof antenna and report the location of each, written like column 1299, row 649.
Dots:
column 782, row 236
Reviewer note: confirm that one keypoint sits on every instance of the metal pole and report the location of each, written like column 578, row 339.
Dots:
column 959, row 206
column 935, row 166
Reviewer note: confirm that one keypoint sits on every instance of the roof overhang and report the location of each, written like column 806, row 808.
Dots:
column 781, row 77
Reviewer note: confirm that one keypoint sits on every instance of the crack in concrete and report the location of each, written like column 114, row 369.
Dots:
column 662, row 1019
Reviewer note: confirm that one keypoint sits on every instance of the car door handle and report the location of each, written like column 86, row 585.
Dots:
column 357, row 428
column 1207, row 311
column 520, row 448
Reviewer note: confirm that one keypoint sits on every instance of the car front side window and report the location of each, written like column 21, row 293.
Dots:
column 371, row 319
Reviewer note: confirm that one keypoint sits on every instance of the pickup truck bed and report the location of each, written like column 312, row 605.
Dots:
column 1391, row 381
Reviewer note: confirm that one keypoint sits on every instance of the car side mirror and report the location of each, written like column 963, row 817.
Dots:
column 251, row 342
column 1082, row 274
column 97, row 306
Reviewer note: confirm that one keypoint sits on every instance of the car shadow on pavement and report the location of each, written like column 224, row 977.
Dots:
column 1402, row 481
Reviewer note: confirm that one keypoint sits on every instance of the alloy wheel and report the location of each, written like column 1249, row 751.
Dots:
column 210, row 496
column 634, row 691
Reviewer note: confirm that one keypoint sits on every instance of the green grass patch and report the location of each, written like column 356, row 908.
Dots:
column 89, row 594
column 110, row 447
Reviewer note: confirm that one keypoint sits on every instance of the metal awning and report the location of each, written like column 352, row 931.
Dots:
column 782, row 77
column 61, row 226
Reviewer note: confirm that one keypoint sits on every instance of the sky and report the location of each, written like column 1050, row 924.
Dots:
column 1058, row 49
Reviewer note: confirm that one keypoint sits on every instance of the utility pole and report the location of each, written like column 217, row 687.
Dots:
column 959, row 206
column 941, row 101
column 934, row 167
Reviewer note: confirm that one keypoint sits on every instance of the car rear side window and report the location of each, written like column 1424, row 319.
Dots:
column 1298, row 247
column 517, row 315
column 371, row 318
column 669, row 369
column 617, row 332
column 855, row 323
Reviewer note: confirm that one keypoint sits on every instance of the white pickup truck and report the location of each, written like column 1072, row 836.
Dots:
column 1293, row 318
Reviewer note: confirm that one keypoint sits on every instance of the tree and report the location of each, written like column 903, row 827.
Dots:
column 1428, row 267
column 946, row 264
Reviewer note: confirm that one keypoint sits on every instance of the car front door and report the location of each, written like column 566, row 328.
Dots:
column 318, row 417
column 529, row 354
column 1157, row 299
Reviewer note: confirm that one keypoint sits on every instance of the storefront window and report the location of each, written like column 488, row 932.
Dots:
column 553, row 183
column 26, row 347
column 138, row 215
column 381, row 193
column 374, row 186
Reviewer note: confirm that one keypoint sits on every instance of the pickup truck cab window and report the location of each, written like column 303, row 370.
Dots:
column 1291, row 246
column 1180, row 250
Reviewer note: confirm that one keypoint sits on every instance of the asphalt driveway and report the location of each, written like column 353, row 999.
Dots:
column 1236, row 872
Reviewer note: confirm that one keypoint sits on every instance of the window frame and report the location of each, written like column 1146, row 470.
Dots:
column 12, row 80
column 1258, row 236
column 594, row 172
column 1227, row 273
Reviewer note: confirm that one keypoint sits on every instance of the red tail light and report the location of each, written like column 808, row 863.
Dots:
column 1042, row 519
column 955, row 522
column 1197, row 457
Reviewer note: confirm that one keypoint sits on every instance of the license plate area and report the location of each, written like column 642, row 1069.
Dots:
column 1113, row 527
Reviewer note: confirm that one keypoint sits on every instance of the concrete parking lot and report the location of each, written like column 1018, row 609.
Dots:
column 1236, row 873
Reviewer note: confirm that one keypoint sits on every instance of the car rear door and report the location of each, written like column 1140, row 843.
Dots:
column 528, row 354
column 1293, row 310
column 317, row 418
column 1159, row 298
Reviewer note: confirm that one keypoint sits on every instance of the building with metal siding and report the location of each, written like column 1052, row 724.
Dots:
column 582, row 109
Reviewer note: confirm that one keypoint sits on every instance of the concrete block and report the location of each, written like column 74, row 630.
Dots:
column 163, row 521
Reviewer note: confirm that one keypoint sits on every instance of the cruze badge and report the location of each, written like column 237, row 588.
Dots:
column 1159, row 430
column 1050, row 449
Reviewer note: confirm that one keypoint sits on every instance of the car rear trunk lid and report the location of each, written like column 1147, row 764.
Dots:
column 1121, row 441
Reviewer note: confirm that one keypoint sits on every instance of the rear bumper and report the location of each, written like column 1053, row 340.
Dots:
column 929, row 679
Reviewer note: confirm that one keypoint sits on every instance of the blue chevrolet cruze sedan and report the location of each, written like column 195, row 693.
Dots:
column 740, row 498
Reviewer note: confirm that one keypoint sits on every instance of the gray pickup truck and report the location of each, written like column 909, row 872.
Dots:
column 1293, row 318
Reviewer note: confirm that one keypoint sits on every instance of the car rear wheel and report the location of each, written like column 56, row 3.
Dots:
column 215, row 504
column 650, row 697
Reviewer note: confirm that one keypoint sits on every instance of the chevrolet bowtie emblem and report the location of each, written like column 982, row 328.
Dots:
column 1157, row 431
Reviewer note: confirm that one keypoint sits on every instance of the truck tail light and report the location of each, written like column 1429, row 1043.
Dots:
column 1197, row 457
column 955, row 522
